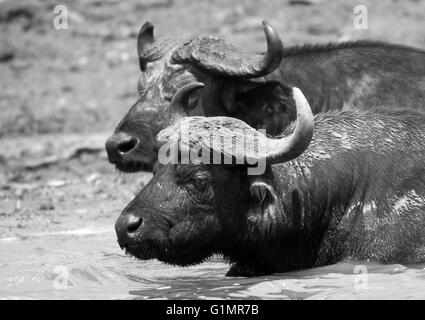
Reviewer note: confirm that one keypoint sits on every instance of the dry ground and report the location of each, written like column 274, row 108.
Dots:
column 63, row 91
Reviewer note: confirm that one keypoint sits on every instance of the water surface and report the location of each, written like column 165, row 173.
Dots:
column 88, row 264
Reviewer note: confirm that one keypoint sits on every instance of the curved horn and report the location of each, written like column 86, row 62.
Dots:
column 274, row 54
column 215, row 56
column 252, row 146
column 292, row 146
column 233, row 138
column 177, row 107
column 145, row 40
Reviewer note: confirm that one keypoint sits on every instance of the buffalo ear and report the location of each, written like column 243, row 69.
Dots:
column 266, row 218
column 263, row 193
column 261, row 104
column 231, row 92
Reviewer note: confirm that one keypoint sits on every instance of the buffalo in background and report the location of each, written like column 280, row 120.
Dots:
column 250, row 87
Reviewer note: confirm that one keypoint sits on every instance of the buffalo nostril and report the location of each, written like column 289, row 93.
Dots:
column 133, row 223
column 118, row 145
column 126, row 228
column 128, row 145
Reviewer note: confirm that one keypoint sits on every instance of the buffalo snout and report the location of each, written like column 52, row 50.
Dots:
column 120, row 145
column 126, row 227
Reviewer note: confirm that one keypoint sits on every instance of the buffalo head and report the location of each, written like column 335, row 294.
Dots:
column 234, row 85
column 189, row 211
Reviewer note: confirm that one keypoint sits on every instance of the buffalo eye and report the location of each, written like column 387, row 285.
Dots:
column 189, row 103
column 200, row 184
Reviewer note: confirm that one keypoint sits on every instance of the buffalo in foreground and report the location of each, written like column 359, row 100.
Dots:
column 250, row 87
column 355, row 189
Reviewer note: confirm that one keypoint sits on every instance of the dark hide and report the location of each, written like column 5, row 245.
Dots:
column 357, row 192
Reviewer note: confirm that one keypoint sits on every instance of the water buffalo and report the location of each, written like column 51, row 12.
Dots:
column 247, row 86
column 356, row 189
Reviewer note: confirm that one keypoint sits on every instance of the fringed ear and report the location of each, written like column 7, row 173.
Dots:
column 266, row 219
column 262, row 193
column 261, row 104
column 231, row 90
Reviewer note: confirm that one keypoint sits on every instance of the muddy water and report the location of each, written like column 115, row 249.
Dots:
column 88, row 264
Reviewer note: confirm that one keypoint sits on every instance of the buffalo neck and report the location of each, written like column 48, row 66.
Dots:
column 352, row 75
column 344, row 165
